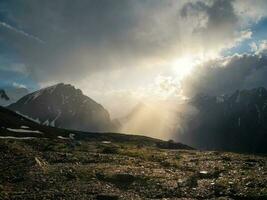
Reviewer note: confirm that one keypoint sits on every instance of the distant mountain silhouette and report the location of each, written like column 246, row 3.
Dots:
column 4, row 99
column 3, row 95
column 236, row 122
column 64, row 106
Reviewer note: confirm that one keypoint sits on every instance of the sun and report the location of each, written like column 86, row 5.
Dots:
column 183, row 66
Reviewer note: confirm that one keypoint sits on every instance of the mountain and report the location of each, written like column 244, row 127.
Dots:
column 235, row 122
column 64, row 106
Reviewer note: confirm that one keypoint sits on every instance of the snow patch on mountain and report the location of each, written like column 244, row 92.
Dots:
column 23, row 131
column 28, row 117
column 17, row 138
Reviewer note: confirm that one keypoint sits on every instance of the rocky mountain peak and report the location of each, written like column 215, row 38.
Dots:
column 62, row 105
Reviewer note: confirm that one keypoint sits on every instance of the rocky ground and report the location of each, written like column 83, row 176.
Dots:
column 64, row 169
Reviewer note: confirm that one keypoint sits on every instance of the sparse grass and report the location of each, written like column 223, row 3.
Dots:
column 146, row 153
column 125, row 170
column 110, row 149
column 122, row 180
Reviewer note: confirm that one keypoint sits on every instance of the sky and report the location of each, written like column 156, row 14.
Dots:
column 121, row 52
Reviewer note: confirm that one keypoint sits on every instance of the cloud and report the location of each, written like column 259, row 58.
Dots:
column 262, row 48
column 5, row 25
column 167, row 85
column 250, row 11
column 85, row 37
column 244, row 35
column 225, row 75
column 18, row 85
column 259, row 47
column 216, row 24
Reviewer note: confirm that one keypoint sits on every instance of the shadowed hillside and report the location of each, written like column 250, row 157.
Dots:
column 18, row 127
column 236, row 122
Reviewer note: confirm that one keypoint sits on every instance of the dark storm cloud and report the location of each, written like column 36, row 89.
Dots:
column 82, row 36
column 79, row 36
column 216, row 19
column 71, row 31
column 226, row 75
column 219, row 12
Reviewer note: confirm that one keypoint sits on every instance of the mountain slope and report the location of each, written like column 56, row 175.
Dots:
column 236, row 122
column 15, row 126
column 64, row 106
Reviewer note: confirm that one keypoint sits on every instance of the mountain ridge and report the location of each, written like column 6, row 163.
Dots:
column 235, row 122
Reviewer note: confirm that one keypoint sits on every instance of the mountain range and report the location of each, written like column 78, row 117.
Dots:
column 231, row 122
column 235, row 122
